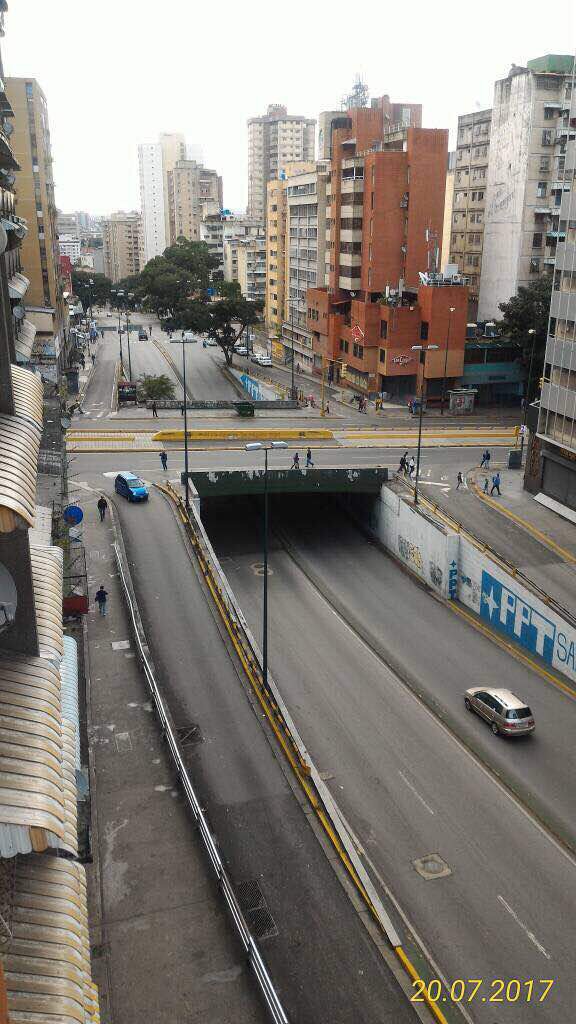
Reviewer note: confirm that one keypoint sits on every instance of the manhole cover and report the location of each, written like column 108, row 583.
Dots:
column 432, row 866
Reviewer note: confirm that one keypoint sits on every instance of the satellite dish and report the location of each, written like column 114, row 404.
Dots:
column 18, row 312
column 65, row 422
column 8, row 128
column 3, row 239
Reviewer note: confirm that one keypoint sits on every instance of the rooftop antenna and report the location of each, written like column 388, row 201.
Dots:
column 358, row 97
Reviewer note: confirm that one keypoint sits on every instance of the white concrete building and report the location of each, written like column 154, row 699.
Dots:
column 216, row 229
column 152, row 199
column 70, row 246
column 251, row 267
column 530, row 119
column 305, row 257
column 273, row 140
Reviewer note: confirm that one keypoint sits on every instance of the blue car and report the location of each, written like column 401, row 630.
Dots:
column 131, row 487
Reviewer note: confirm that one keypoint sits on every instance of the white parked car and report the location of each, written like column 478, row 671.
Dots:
column 189, row 336
column 241, row 350
column 265, row 361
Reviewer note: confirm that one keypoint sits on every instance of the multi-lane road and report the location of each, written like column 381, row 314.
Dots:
column 372, row 668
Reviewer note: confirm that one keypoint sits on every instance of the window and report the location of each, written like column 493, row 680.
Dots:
column 544, row 163
column 359, row 351
column 547, row 137
column 29, row 90
column 424, row 331
column 549, row 113
column 541, row 190
column 383, row 328
column 537, row 240
column 382, row 355
column 343, row 345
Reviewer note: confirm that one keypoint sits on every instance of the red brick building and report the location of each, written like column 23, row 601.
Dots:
column 384, row 228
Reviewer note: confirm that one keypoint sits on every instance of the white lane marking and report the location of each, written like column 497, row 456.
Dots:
column 415, row 791
column 524, row 928
column 80, row 484
column 434, row 483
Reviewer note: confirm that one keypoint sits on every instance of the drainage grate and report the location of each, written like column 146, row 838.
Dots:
column 255, row 908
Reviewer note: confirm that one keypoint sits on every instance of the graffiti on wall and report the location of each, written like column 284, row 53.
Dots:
column 547, row 636
column 410, row 553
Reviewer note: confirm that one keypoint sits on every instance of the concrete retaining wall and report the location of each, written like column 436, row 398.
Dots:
column 456, row 567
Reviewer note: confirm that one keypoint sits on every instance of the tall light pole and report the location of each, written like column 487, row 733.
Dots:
column 120, row 294
column 252, row 447
column 180, row 341
column 450, row 311
column 90, row 283
column 129, row 296
column 531, row 331
column 422, row 349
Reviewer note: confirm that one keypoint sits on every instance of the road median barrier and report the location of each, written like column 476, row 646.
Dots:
column 255, row 434
column 280, row 720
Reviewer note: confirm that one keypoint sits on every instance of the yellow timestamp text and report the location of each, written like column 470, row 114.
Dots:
column 499, row 990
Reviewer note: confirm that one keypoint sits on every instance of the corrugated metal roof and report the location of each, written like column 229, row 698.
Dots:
column 25, row 340
column 47, row 959
column 69, row 676
column 32, row 810
column 19, row 446
column 28, row 394
column 47, row 577
column 18, row 285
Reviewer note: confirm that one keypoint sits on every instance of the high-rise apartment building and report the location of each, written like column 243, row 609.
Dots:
column 216, row 228
column 45, row 305
column 251, row 268
column 529, row 131
column 152, row 199
column 274, row 139
column 385, row 208
column 123, row 252
column 305, row 262
column 192, row 188
column 173, row 148
column 71, row 246
column 465, row 236
column 553, row 450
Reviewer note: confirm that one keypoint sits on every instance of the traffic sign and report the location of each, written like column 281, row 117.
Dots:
column 73, row 515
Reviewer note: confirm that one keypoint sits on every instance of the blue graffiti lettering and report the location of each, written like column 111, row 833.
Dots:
column 507, row 612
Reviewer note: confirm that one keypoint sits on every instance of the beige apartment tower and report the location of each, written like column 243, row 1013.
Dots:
column 35, row 194
column 274, row 139
column 123, row 245
column 172, row 149
column 192, row 191
column 468, row 177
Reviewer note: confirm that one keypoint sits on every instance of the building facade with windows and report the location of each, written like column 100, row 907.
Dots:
column 251, row 267
column 70, row 246
column 305, row 264
column 45, row 305
column 123, row 251
column 553, row 450
column 465, row 236
column 217, row 228
column 192, row 188
column 384, row 217
column 529, row 133
column 275, row 139
column 152, row 199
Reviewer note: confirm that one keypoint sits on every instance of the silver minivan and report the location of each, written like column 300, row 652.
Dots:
column 505, row 712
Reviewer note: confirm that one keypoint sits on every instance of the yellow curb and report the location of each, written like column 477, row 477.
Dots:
column 413, row 974
column 425, row 433
column 258, row 433
column 87, row 436
column 567, row 556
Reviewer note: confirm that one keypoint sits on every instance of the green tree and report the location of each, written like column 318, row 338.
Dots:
column 152, row 388
column 224, row 320
column 228, row 289
column 100, row 288
column 196, row 260
column 528, row 310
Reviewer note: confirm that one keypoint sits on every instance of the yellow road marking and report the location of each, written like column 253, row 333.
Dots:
column 413, row 973
column 547, row 541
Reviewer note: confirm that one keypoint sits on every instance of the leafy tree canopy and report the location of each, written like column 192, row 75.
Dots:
column 527, row 310
column 152, row 388
column 100, row 288
column 224, row 320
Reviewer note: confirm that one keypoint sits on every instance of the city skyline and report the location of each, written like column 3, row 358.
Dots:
column 106, row 117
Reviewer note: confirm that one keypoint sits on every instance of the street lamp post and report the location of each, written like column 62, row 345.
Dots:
column 118, row 294
column 450, row 311
column 422, row 349
column 181, row 341
column 90, row 283
column 129, row 296
column 531, row 331
column 252, row 447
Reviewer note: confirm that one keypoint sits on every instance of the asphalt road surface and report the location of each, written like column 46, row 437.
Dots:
column 321, row 957
column 204, row 378
column 505, row 906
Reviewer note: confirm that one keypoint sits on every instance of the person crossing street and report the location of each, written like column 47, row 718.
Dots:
column 309, row 458
column 102, row 505
column 164, row 460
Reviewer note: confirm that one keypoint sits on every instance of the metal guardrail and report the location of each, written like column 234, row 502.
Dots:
column 255, row 959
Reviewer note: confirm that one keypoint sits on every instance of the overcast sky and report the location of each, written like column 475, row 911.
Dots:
column 117, row 72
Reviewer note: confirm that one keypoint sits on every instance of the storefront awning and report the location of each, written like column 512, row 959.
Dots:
column 25, row 340
column 18, row 286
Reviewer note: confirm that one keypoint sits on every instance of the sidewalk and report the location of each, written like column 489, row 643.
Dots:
column 163, row 947
column 533, row 538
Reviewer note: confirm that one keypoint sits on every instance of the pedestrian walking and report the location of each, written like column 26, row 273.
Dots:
column 402, row 466
column 296, row 461
column 101, row 334
column 483, row 462
column 164, row 460
column 298, row 368
column 485, row 485
column 102, row 506
column 93, row 358
column 327, row 408
column 487, row 453
column 309, row 458
column 495, row 484
column 182, row 408
column 411, row 467
column 154, row 409
column 459, row 479
column 101, row 597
